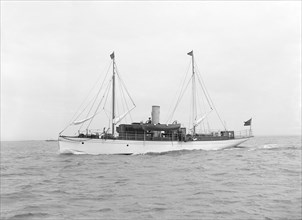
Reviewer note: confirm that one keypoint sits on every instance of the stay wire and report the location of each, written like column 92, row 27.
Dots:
column 74, row 117
column 122, row 82
column 208, row 96
column 125, row 101
column 182, row 83
column 180, row 97
column 123, row 86
column 107, row 94
column 100, row 89
column 95, row 112
column 98, row 92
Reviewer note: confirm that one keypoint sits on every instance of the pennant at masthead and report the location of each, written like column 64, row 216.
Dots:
column 112, row 55
column 190, row 53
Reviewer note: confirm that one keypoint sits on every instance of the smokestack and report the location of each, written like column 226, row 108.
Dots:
column 155, row 118
column 155, row 114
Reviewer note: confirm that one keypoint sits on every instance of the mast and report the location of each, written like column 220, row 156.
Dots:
column 113, row 91
column 193, row 92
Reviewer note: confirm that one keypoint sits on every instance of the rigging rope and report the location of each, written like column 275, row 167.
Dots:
column 107, row 94
column 180, row 97
column 122, row 89
column 95, row 100
column 124, row 102
column 208, row 96
column 95, row 112
column 74, row 117
column 122, row 82
column 199, row 105
column 182, row 83
column 205, row 92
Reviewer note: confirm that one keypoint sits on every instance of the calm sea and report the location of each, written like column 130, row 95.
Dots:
column 259, row 180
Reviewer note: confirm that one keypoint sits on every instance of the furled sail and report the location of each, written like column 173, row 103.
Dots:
column 119, row 118
column 82, row 121
column 197, row 122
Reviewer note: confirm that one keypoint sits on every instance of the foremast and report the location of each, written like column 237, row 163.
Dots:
column 113, row 91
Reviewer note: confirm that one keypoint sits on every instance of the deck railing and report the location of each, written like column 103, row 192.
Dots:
column 149, row 136
column 244, row 133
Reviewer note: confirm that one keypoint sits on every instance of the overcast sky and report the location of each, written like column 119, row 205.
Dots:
column 249, row 55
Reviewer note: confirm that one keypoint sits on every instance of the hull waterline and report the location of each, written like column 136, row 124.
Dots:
column 128, row 147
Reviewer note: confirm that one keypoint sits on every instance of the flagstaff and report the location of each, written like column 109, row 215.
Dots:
column 249, row 123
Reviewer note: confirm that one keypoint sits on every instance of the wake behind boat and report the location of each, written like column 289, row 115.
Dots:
column 150, row 136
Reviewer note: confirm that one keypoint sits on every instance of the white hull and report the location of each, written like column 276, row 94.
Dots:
column 101, row 146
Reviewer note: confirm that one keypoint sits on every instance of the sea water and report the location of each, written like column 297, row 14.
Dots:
column 261, row 179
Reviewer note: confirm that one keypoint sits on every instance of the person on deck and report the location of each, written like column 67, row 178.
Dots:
column 148, row 121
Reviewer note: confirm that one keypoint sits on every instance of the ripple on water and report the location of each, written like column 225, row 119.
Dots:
column 260, row 180
column 29, row 215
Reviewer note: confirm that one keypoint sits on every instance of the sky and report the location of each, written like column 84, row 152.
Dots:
column 52, row 53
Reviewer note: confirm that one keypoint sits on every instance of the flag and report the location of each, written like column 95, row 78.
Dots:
column 248, row 122
column 190, row 53
column 112, row 55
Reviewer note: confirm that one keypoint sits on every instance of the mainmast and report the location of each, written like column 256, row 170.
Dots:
column 113, row 91
column 193, row 91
